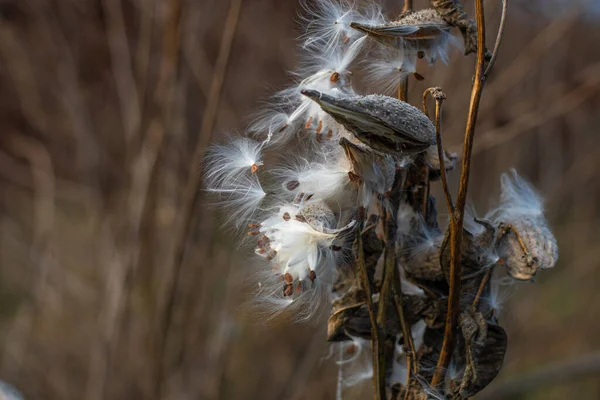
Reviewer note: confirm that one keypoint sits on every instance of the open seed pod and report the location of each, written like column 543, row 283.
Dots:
column 422, row 25
column 526, row 246
column 384, row 123
column 480, row 353
column 425, row 264
column 452, row 12
column 343, row 309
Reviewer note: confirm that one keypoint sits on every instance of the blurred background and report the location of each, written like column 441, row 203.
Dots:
column 117, row 280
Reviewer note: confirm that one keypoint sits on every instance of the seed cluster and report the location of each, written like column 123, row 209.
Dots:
column 351, row 198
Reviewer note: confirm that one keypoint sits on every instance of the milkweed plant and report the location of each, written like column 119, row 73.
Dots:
column 332, row 187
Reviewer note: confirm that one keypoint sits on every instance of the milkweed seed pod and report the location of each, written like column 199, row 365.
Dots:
column 526, row 246
column 383, row 123
column 482, row 348
column 423, row 34
column 525, row 242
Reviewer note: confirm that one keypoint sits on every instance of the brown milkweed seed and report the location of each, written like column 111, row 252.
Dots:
column 288, row 278
column 292, row 185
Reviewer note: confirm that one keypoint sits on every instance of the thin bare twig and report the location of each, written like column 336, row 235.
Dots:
column 457, row 216
column 498, row 39
column 403, row 88
column 439, row 97
column 484, row 282
column 378, row 383
column 438, row 136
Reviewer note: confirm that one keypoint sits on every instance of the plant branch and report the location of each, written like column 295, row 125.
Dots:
column 403, row 88
column 378, row 375
column 498, row 39
column 484, row 282
column 439, row 96
column 457, row 216
column 438, row 137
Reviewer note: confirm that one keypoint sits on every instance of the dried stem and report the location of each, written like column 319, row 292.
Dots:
column 438, row 137
column 425, row 95
column 498, row 39
column 389, row 279
column 408, row 340
column 403, row 88
column 457, row 216
column 484, row 282
column 378, row 376
column 439, row 97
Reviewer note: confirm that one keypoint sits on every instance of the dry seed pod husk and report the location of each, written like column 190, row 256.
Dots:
column 425, row 265
column 422, row 25
column 485, row 364
column 536, row 250
column 350, row 316
column 477, row 248
column 381, row 122
column 452, row 12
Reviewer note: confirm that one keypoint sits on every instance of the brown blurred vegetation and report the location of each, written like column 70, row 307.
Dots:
column 114, row 287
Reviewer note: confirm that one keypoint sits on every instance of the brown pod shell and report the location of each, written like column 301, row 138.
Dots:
column 536, row 249
column 384, row 123
column 421, row 25
column 425, row 265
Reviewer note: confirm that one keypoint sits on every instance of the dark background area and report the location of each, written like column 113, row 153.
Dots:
column 103, row 104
